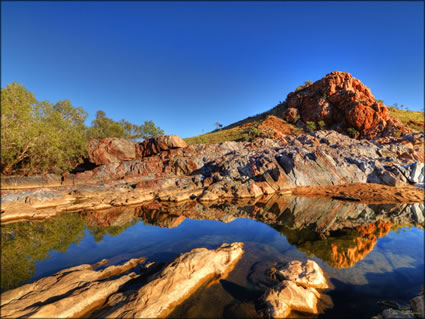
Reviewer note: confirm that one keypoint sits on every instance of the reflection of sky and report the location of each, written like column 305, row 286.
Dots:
column 160, row 243
column 393, row 270
column 403, row 249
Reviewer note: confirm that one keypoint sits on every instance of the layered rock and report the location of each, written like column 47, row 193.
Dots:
column 69, row 293
column 175, row 283
column 78, row 291
column 115, row 150
column 297, row 291
column 226, row 170
column 342, row 102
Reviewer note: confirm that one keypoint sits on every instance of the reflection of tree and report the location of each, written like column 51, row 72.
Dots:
column 98, row 232
column 343, row 248
column 24, row 243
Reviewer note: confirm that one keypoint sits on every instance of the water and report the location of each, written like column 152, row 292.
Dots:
column 369, row 252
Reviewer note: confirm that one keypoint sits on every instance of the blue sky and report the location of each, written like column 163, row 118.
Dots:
column 186, row 65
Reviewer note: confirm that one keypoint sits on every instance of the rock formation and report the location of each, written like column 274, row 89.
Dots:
column 297, row 290
column 115, row 150
column 78, row 291
column 224, row 170
column 342, row 102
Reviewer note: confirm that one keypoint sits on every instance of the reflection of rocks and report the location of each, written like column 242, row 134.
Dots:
column 340, row 233
column 297, row 291
column 80, row 290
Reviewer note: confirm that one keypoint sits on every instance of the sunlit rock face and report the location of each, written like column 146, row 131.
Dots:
column 299, row 290
column 69, row 293
column 342, row 101
column 78, row 291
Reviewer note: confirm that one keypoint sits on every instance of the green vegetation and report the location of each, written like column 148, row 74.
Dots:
column 413, row 120
column 352, row 132
column 308, row 82
column 322, row 125
column 41, row 137
column 311, row 126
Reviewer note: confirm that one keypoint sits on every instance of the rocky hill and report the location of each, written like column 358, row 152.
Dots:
column 337, row 102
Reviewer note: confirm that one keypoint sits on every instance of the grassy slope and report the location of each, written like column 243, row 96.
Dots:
column 238, row 131
column 413, row 120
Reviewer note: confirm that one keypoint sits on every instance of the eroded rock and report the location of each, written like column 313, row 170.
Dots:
column 69, row 293
column 298, row 290
column 306, row 274
column 80, row 290
column 175, row 283
column 342, row 101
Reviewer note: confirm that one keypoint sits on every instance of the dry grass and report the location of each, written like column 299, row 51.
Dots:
column 413, row 120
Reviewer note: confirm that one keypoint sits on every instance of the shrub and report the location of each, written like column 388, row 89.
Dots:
column 299, row 88
column 308, row 82
column 267, row 133
column 311, row 126
column 352, row 132
column 324, row 96
column 379, row 101
column 322, row 124
column 397, row 134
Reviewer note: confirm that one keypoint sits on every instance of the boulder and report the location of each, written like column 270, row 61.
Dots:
column 161, row 143
column 297, row 291
column 306, row 274
column 112, row 150
column 287, row 296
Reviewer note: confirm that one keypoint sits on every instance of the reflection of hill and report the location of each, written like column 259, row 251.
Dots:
column 341, row 233
column 343, row 248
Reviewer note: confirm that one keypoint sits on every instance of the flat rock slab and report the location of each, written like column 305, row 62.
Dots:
column 175, row 283
column 69, row 293
column 81, row 290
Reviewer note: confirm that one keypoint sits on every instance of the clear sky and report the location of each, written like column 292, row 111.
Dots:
column 186, row 65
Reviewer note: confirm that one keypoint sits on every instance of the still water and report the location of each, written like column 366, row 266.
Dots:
column 370, row 253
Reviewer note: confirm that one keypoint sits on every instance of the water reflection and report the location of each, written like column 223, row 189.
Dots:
column 339, row 233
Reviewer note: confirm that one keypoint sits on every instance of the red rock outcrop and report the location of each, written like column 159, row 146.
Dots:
column 116, row 150
column 343, row 102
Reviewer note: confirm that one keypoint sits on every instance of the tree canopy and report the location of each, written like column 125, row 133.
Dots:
column 37, row 136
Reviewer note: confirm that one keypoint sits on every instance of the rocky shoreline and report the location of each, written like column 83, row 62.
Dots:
column 166, row 169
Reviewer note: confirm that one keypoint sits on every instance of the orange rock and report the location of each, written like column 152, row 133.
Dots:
column 342, row 101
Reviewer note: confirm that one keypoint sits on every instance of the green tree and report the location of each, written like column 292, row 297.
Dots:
column 37, row 136
column 103, row 127
column 20, row 129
